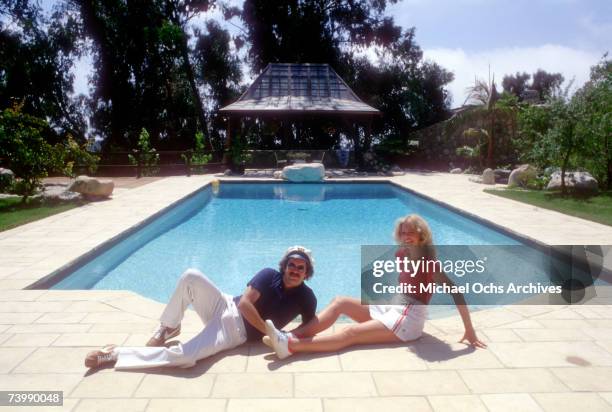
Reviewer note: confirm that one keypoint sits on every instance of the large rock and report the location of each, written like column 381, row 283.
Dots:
column 92, row 187
column 488, row 177
column 456, row 171
column 308, row 172
column 502, row 175
column 7, row 178
column 579, row 182
column 522, row 175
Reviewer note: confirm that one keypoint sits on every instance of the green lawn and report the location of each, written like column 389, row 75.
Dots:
column 597, row 208
column 14, row 213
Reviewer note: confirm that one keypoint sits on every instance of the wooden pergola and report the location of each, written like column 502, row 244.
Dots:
column 292, row 92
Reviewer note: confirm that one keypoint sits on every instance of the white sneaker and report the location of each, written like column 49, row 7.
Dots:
column 279, row 340
column 268, row 342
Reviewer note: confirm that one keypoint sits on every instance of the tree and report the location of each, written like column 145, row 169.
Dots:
column 36, row 55
column 546, row 83
column 218, row 70
column 142, row 77
column 594, row 120
column 516, row 84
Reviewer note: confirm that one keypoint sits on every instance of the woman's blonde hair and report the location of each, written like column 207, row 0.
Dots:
column 416, row 223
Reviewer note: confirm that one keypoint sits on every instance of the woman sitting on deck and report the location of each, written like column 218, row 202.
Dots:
column 377, row 323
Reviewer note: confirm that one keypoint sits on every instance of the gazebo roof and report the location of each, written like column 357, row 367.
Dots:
column 288, row 88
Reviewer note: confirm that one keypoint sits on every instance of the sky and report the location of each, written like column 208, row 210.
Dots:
column 478, row 38
column 473, row 38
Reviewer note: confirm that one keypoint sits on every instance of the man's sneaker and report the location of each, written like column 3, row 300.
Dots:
column 101, row 356
column 163, row 334
column 268, row 342
column 279, row 340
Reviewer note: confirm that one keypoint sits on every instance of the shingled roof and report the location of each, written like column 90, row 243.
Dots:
column 299, row 88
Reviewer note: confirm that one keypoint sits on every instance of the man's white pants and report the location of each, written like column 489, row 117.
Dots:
column 224, row 328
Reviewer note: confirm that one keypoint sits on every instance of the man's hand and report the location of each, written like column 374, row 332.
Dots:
column 249, row 312
column 472, row 339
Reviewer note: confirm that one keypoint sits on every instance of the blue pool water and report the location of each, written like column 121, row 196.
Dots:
column 245, row 227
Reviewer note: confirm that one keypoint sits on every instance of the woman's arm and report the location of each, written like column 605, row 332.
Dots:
column 470, row 333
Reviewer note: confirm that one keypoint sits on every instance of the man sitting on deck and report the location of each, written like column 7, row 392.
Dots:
column 229, row 321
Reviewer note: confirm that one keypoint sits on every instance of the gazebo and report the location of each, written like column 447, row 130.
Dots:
column 290, row 92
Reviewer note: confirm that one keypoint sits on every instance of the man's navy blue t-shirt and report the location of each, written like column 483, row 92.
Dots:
column 277, row 303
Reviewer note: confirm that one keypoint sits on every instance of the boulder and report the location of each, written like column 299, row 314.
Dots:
column 7, row 178
column 456, row 171
column 579, row 182
column 92, row 187
column 522, row 175
column 502, row 175
column 488, row 177
column 307, row 172
column 58, row 193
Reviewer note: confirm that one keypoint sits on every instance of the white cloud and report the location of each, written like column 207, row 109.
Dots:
column 572, row 63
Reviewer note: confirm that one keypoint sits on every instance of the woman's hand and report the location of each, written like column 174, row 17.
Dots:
column 472, row 339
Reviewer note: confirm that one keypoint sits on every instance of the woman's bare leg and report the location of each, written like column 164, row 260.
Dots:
column 368, row 332
column 350, row 307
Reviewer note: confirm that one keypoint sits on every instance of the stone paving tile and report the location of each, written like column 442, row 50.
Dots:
column 11, row 357
column 607, row 345
column 4, row 337
column 570, row 402
column 262, row 359
column 62, row 317
column 121, row 327
column 560, row 314
column 108, row 385
column 84, row 306
column 21, row 307
column 511, row 402
column 113, row 317
column 164, row 385
column 389, row 404
column 455, row 356
column 31, row 339
column 18, row 317
column 553, row 335
column 78, row 295
column 419, row 383
column 253, row 385
column 50, row 328
column 381, row 358
column 90, row 339
column 601, row 334
column 550, row 354
column 187, row 405
column 511, row 380
column 522, row 324
column 565, row 323
column 585, row 379
column 274, row 405
column 55, row 360
column 600, row 323
column 456, row 403
column 334, row 384
column 500, row 335
column 607, row 396
column 65, row 382
column 105, row 405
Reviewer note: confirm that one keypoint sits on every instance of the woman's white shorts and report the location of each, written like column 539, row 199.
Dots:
column 405, row 321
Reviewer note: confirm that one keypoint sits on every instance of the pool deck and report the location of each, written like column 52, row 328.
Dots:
column 550, row 358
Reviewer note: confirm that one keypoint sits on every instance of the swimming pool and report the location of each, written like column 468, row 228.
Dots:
column 245, row 227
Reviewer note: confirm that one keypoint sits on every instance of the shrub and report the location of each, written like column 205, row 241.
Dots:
column 146, row 157
column 197, row 158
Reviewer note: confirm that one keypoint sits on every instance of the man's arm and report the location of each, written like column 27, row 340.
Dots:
column 246, row 306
